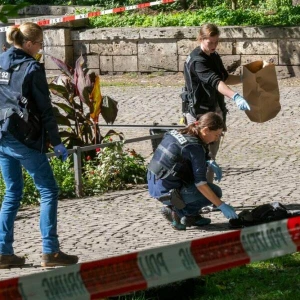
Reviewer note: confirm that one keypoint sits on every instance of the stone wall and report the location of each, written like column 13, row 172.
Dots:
column 145, row 50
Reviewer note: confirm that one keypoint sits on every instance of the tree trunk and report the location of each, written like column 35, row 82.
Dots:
column 234, row 4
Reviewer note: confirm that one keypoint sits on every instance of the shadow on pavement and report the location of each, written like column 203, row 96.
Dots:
column 235, row 171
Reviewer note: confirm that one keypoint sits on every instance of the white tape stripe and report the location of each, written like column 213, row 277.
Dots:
column 131, row 7
column 81, row 16
column 62, row 283
column 267, row 240
column 56, row 20
column 155, row 3
column 168, row 264
column 107, row 12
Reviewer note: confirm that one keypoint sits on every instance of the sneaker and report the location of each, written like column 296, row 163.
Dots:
column 7, row 261
column 58, row 259
column 189, row 221
column 172, row 217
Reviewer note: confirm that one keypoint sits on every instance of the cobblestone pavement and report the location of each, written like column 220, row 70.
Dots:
column 260, row 163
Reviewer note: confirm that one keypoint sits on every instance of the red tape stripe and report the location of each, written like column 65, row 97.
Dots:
column 143, row 5
column 43, row 22
column 112, row 276
column 94, row 14
column 219, row 252
column 68, row 18
column 9, row 290
column 119, row 9
column 293, row 226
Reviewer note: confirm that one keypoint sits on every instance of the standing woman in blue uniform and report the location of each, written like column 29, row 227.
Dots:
column 178, row 169
column 26, row 123
column 206, row 83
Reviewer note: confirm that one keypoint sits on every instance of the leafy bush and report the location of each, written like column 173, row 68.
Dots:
column 113, row 169
column 64, row 175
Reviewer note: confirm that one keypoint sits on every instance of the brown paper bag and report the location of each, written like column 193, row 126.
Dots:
column 260, row 89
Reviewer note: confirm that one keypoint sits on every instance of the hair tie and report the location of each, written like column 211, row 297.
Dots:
column 196, row 123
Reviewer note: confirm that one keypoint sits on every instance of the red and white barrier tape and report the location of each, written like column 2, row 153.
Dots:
column 51, row 21
column 153, row 267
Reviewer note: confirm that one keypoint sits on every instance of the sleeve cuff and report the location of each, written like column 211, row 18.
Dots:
column 200, row 183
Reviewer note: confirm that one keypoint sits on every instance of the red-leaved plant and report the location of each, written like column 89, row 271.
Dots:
column 82, row 103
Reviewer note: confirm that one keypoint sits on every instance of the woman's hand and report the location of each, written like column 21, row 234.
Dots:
column 228, row 211
column 241, row 103
column 216, row 169
column 60, row 150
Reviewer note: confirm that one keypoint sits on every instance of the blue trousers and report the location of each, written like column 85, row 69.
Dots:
column 14, row 155
column 194, row 200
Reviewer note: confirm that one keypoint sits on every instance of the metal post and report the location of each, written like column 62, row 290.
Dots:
column 77, row 170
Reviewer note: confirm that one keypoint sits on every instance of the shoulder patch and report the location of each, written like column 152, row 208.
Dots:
column 4, row 77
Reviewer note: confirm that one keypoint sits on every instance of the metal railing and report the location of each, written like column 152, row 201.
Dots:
column 77, row 151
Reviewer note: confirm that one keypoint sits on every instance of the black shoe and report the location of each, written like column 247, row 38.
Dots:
column 7, row 261
column 172, row 217
column 58, row 259
column 189, row 221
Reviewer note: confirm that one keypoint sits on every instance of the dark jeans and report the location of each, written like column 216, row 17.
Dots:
column 194, row 200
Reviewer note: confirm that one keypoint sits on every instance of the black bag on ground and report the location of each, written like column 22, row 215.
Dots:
column 261, row 214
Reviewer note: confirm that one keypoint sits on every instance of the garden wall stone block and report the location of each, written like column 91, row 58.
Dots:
column 63, row 53
column 256, row 47
column 125, row 64
column 289, row 52
column 81, row 48
column 169, row 33
column 231, row 62
column 106, row 34
column 57, row 37
column 92, row 61
column 106, row 64
column 157, row 56
column 114, row 48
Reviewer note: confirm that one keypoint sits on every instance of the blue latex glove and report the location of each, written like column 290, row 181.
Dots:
column 240, row 102
column 60, row 150
column 228, row 211
column 215, row 167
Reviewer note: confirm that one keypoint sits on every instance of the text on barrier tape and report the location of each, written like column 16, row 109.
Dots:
column 149, row 268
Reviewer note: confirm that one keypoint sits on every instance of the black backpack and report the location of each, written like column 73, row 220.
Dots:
column 261, row 214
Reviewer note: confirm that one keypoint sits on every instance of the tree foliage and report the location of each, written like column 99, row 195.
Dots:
column 9, row 10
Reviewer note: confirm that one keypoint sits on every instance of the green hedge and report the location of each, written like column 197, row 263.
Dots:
column 220, row 15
